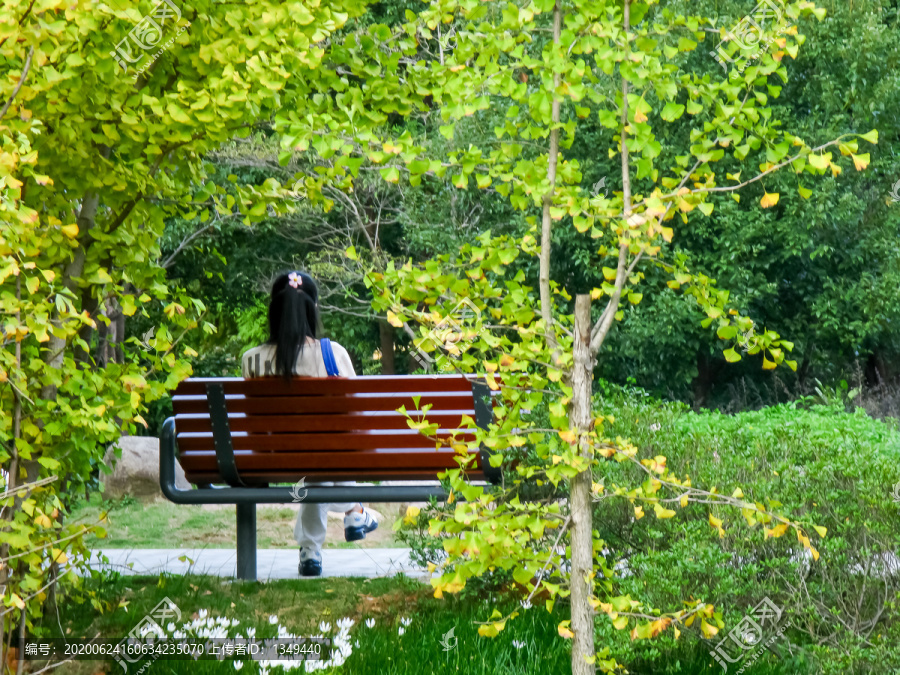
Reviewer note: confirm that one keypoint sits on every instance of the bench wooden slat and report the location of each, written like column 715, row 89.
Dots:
column 257, row 478
column 307, row 423
column 322, row 386
column 277, row 405
column 315, row 442
column 390, row 458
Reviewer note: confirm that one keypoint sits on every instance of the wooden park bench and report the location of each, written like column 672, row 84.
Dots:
column 260, row 436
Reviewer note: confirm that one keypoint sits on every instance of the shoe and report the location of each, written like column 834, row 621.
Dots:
column 310, row 563
column 358, row 525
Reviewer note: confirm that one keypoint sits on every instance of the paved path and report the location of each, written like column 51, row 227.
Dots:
column 270, row 563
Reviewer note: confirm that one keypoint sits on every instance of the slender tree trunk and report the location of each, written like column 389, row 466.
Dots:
column 609, row 314
column 386, row 334
column 13, row 480
column 580, row 498
column 546, row 221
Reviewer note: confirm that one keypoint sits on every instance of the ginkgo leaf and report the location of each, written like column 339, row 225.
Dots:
column 804, row 192
column 861, row 161
column 662, row 513
column 708, row 630
column 872, row 137
column 769, row 199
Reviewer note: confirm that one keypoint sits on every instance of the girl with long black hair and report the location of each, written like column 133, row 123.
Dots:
column 294, row 350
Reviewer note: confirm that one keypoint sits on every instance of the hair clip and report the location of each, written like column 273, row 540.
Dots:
column 295, row 280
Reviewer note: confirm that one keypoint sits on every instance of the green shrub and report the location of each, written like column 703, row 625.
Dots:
column 817, row 464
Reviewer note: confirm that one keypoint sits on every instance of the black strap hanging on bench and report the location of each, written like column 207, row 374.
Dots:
column 218, row 419
column 484, row 415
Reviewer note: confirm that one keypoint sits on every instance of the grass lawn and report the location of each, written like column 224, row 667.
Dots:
column 162, row 524
column 300, row 607
column 411, row 633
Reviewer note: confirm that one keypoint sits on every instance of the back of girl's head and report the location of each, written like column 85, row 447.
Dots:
column 293, row 317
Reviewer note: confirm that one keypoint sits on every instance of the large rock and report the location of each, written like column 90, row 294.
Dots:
column 136, row 473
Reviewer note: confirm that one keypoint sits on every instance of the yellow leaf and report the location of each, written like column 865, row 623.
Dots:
column 769, row 199
column 43, row 521
column 609, row 273
column 821, row 530
column 562, row 629
column 684, row 500
column 567, row 436
column 708, row 629
column 394, row 320
column 506, row 360
column 661, row 512
column 776, row 531
column 620, row 622
column 861, row 161
column 737, row 494
column 639, row 116
column 638, row 512
column 17, row 601
column 70, row 231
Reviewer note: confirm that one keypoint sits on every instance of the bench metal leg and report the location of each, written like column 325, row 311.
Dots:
column 246, row 542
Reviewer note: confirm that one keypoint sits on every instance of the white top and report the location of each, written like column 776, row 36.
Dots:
column 260, row 361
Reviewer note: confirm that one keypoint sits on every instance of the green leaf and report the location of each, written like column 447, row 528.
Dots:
column 672, row 111
column 872, row 137
column 727, row 332
column 731, row 356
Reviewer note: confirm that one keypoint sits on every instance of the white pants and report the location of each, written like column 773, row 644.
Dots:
column 312, row 521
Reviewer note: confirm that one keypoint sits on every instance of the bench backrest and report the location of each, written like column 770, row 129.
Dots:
column 266, row 430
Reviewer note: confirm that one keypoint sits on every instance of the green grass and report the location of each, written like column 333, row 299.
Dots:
column 300, row 605
column 162, row 524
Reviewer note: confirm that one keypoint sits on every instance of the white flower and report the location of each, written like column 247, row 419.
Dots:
column 238, row 665
column 405, row 620
column 273, row 619
column 655, row 427
column 346, row 623
column 518, row 644
column 324, row 627
column 370, row 623
column 251, row 632
column 401, row 630
column 526, row 605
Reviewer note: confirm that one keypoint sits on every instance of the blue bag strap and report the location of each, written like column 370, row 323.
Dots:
column 328, row 356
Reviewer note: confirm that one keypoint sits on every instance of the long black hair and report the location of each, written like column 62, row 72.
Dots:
column 293, row 317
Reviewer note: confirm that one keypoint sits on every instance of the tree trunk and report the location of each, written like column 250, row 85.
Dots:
column 386, row 333
column 580, row 498
column 546, row 221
